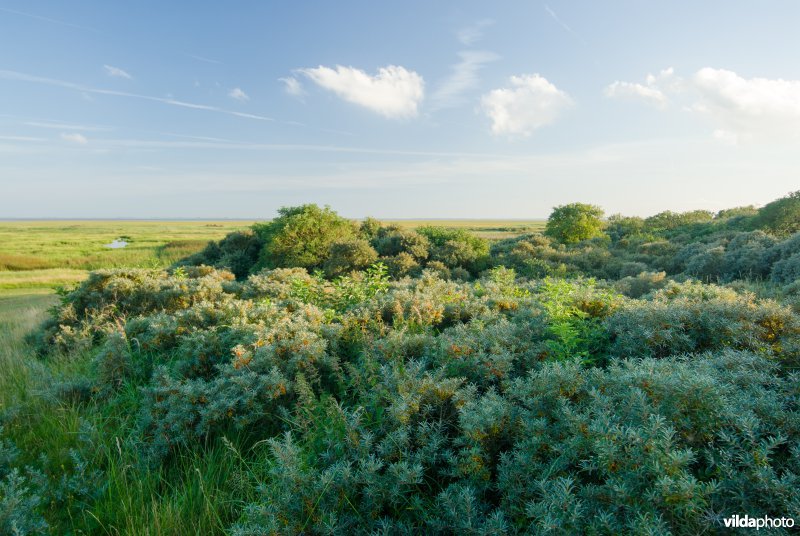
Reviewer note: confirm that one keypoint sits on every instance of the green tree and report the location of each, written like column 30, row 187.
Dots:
column 782, row 216
column 370, row 227
column 575, row 222
column 668, row 220
column 620, row 226
column 457, row 248
column 349, row 255
column 393, row 240
column 302, row 236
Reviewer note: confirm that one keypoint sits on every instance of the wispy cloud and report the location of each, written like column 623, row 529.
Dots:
column 203, row 59
column 23, row 77
column 22, row 138
column 462, row 78
column 530, row 103
column 292, row 86
column 116, row 72
column 393, row 92
column 561, row 23
column 48, row 19
column 239, row 95
column 204, row 143
column 469, row 35
column 74, row 137
column 57, row 125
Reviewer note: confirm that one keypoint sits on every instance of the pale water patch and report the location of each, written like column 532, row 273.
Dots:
column 117, row 244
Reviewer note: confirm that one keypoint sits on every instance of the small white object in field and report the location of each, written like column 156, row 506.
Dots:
column 117, row 244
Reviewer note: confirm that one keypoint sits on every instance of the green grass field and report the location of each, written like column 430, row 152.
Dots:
column 47, row 254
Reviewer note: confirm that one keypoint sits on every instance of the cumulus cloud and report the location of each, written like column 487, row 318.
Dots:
column 393, row 92
column 740, row 108
column 74, row 137
column 463, row 77
column 530, row 103
column 292, row 86
column 747, row 109
column 116, row 72
column 653, row 90
column 754, row 98
column 237, row 94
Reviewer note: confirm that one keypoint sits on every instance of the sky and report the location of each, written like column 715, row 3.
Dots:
column 412, row 109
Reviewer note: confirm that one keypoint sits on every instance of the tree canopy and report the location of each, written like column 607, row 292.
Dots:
column 782, row 216
column 575, row 222
column 302, row 236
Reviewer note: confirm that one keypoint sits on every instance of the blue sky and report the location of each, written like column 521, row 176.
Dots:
column 395, row 109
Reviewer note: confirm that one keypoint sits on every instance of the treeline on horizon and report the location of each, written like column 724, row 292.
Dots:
column 315, row 375
column 739, row 243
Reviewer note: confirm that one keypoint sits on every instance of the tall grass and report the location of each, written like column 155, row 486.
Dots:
column 201, row 492
column 18, row 316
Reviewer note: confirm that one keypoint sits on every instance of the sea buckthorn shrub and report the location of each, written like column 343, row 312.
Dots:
column 651, row 446
column 737, row 244
column 693, row 317
column 348, row 256
column 108, row 297
column 494, row 392
column 644, row 446
column 20, row 494
column 237, row 252
column 392, row 240
column 749, row 256
column 456, row 248
column 641, row 284
column 54, row 486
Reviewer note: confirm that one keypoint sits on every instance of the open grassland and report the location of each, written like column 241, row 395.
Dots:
column 47, row 254
column 36, row 245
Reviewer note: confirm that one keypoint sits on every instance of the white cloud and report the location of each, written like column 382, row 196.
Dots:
column 629, row 89
column 464, row 76
column 744, row 101
column 116, row 72
column 203, row 59
column 741, row 109
column 530, row 103
column 21, row 138
column 80, row 139
column 58, row 125
column 237, row 94
column 469, row 35
column 652, row 90
column 394, row 92
column 292, row 86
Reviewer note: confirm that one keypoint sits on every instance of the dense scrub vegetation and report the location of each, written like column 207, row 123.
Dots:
column 348, row 378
